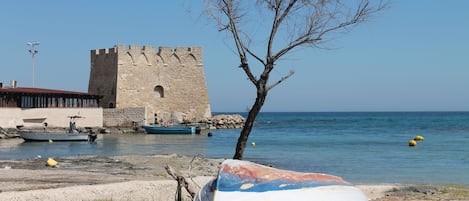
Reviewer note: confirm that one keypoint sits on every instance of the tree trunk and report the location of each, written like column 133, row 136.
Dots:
column 249, row 124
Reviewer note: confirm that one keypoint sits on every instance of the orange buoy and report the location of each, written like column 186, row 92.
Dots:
column 412, row 143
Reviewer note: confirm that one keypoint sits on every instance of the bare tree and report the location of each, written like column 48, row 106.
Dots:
column 287, row 25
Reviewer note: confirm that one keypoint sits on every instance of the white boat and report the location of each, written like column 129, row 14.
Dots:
column 44, row 136
column 72, row 135
column 247, row 181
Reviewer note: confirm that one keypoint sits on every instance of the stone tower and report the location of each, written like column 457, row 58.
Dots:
column 168, row 82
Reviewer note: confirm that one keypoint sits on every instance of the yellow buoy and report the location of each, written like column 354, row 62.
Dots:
column 412, row 143
column 51, row 162
column 253, row 144
column 418, row 138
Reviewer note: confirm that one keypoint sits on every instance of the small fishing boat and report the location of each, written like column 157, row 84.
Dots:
column 73, row 134
column 44, row 136
column 154, row 129
column 242, row 180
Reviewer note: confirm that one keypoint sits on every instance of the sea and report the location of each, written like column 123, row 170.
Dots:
column 361, row 147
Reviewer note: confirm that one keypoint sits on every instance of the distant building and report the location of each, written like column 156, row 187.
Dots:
column 167, row 83
column 34, row 107
column 45, row 98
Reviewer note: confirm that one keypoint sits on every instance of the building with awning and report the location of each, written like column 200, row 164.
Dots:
column 33, row 107
column 46, row 98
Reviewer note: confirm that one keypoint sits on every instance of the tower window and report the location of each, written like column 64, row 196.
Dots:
column 159, row 91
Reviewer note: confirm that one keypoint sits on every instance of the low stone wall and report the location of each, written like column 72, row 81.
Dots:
column 54, row 117
column 120, row 121
column 11, row 117
column 125, row 118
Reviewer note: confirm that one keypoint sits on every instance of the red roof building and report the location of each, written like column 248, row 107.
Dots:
column 46, row 98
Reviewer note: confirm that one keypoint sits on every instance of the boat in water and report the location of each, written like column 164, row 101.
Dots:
column 73, row 134
column 44, row 136
column 154, row 129
column 246, row 181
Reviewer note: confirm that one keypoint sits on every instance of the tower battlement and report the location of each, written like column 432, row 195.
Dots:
column 103, row 51
column 182, row 54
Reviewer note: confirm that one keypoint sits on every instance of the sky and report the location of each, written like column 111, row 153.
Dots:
column 413, row 56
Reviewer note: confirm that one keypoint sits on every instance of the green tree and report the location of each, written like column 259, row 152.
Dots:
column 287, row 25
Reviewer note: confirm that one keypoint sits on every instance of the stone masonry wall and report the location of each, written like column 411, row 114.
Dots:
column 125, row 117
column 165, row 82
column 103, row 75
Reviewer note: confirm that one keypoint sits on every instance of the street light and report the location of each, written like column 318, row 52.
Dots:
column 33, row 52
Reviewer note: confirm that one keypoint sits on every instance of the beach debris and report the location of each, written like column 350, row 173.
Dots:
column 51, row 162
column 182, row 183
column 412, row 143
column 418, row 138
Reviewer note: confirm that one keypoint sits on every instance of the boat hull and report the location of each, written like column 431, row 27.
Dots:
column 34, row 136
column 247, row 181
column 149, row 129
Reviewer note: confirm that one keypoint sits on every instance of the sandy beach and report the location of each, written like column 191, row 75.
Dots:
column 144, row 178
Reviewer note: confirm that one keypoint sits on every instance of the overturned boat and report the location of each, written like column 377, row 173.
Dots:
column 246, row 181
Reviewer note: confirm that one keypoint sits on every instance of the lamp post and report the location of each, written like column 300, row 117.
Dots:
column 33, row 52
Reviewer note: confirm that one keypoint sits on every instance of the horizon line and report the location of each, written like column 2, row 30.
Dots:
column 384, row 111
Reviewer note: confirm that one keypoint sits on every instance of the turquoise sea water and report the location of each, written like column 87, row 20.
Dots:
column 361, row 147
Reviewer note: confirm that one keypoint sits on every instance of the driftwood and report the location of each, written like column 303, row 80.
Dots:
column 181, row 182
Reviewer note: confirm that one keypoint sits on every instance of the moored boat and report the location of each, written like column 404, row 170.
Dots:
column 73, row 134
column 44, row 136
column 154, row 129
column 247, row 181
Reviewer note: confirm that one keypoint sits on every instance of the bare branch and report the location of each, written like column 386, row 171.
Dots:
column 190, row 169
column 321, row 24
column 281, row 80
column 278, row 19
column 180, row 179
column 228, row 8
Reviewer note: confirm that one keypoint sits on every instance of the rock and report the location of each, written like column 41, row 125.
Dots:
column 225, row 121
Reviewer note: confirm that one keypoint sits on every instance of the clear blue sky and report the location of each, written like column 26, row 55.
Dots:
column 412, row 57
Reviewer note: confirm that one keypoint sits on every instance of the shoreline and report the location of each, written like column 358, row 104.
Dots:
column 144, row 178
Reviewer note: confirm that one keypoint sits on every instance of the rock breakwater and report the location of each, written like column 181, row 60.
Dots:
column 225, row 121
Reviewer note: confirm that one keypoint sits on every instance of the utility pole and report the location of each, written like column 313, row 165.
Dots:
column 33, row 52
